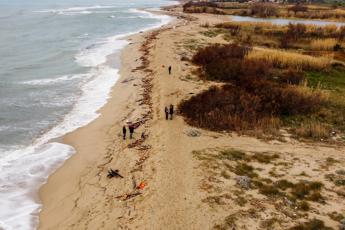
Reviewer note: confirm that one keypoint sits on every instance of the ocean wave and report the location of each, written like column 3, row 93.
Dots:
column 164, row 19
column 75, row 9
column 22, row 172
column 51, row 81
column 95, row 94
column 96, row 54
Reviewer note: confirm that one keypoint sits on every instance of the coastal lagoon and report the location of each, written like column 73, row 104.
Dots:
column 286, row 21
column 54, row 76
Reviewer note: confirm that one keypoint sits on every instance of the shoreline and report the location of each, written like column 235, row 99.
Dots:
column 48, row 152
column 123, row 91
column 169, row 178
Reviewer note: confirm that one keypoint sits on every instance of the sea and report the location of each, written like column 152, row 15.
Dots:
column 54, row 77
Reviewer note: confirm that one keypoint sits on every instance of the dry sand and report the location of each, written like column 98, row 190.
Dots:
column 80, row 196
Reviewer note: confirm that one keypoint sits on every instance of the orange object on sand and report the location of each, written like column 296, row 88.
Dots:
column 141, row 185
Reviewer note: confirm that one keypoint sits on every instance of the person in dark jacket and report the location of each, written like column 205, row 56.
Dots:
column 166, row 110
column 131, row 131
column 171, row 111
column 169, row 69
column 124, row 132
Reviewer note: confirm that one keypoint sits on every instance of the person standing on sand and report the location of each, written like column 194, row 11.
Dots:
column 166, row 110
column 131, row 131
column 169, row 68
column 124, row 132
column 171, row 111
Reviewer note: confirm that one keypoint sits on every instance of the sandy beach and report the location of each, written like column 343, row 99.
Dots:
column 79, row 195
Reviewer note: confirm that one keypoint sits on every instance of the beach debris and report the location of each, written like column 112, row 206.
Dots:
column 144, row 147
column 114, row 173
column 134, row 182
column 128, row 196
column 288, row 202
column 141, row 186
column 128, row 80
column 135, row 143
column 244, row 181
column 193, row 133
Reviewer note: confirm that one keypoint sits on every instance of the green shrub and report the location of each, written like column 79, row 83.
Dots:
column 303, row 205
column 243, row 169
column 284, row 184
column 269, row 190
column 233, row 155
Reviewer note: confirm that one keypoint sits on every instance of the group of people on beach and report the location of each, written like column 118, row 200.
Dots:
column 131, row 128
column 169, row 112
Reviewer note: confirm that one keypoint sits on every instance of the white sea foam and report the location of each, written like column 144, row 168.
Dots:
column 75, row 10
column 95, row 95
column 145, row 14
column 50, row 81
column 97, row 54
column 24, row 171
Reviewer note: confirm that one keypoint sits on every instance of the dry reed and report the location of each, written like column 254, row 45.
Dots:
column 284, row 59
column 323, row 44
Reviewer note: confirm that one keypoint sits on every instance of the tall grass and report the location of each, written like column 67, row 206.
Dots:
column 323, row 44
column 313, row 130
column 285, row 59
column 267, row 25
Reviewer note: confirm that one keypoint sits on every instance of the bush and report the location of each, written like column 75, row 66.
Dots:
column 314, row 224
column 190, row 4
column 264, row 9
column 254, row 98
column 298, row 8
column 233, row 155
column 269, row 190
column 337, row 47
column 302, row 189
column 236, row 70
column 264, row 157
column 293, row 77
column 216, row 53
column 243, row 169
column 224, row 70
column 284, row 184
column 303, row 205
column 245, row 107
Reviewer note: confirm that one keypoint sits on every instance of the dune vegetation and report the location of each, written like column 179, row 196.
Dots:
column 272, row 79
column 330, row 11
